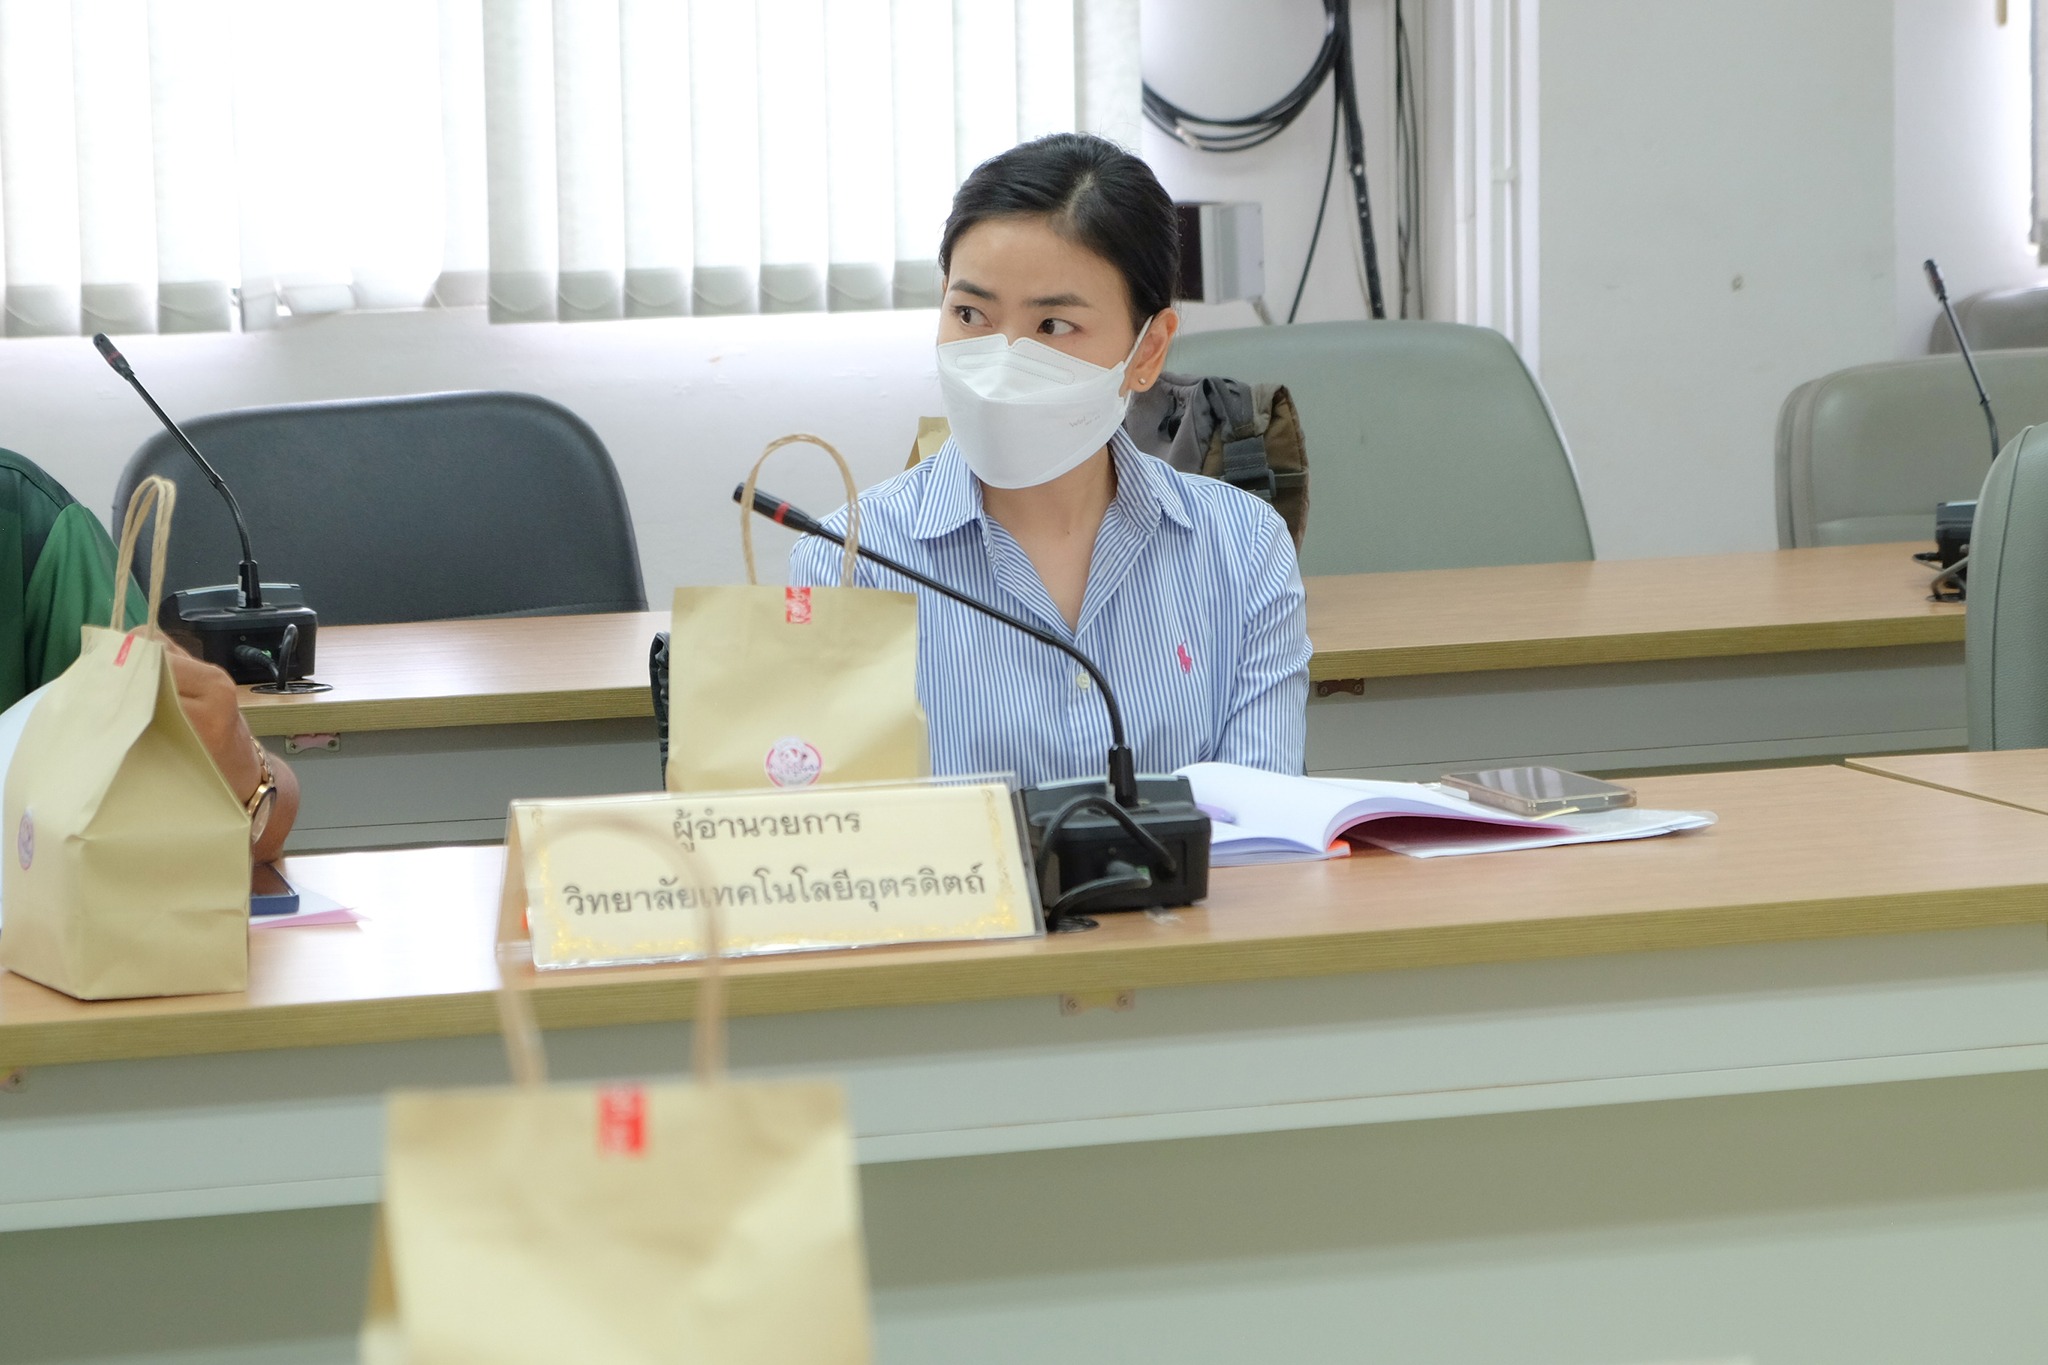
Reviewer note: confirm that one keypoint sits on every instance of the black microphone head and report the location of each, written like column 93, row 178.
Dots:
column 112, row 356
column 1934, row 279
column 780, row 512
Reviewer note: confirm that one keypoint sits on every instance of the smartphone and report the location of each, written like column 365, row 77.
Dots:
column 1540, row 792
column 270, row 893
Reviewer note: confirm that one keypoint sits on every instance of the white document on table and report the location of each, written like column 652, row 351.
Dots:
column 1266, row 817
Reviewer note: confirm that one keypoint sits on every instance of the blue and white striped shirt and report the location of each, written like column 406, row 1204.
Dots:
column 1193, row 611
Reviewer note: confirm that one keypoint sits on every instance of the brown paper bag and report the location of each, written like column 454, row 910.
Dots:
column 787, row 687
column 618, row 1224
column 128, row 873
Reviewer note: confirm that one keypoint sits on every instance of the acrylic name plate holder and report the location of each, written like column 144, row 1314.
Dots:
column 606, row 881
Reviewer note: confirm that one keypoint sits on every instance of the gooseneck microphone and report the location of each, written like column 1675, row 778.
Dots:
column 269, row 643
column 1123, row 768
column 1955, row 329
column 1146, row 846
column 250, row 580
column 1953, row 521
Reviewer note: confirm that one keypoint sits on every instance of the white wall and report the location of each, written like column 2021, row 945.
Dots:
column 1960, row 127
column 1716, row 219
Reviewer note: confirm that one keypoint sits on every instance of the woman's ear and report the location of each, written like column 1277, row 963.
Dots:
column 1145, row 366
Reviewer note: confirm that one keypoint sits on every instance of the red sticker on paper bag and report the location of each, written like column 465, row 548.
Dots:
column 121, row 654
column 622, row 1120
column 796, row 606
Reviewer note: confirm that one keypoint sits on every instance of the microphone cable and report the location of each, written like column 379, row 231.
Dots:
column 1408, row 201
column 1333, row 64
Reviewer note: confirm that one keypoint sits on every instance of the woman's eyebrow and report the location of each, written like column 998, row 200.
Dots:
column 971, row 289
column 1060, row 301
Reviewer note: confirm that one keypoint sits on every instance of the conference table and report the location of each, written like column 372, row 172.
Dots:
column 2013, row 777
column 1607, row 666
column 1839, row 938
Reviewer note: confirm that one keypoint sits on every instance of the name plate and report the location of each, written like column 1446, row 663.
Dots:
column 622, row 879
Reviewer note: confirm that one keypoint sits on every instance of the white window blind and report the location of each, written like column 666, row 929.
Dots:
column 195, row 165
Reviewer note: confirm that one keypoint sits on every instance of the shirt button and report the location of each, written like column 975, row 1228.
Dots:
column 1081, row 681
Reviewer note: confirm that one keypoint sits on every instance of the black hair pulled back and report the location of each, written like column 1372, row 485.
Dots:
column 1093, row 193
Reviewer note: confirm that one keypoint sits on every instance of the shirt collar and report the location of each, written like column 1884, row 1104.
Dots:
column 1146, row 490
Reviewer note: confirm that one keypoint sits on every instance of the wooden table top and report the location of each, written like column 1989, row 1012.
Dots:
column 1623, row 611
column 433, row 674
column 1800, row 853
column 2012, row 777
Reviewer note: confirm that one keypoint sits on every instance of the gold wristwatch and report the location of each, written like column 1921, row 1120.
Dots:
column 263, row 799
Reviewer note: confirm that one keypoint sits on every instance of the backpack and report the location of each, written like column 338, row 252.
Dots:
column 1243, row 434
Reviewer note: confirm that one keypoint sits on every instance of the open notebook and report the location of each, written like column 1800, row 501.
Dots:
column 1264, row 817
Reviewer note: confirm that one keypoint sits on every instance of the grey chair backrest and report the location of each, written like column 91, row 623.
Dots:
column 2005, row 634
column 1996, row 320
column 406, row 509
column 1865, row 453
column 1430, row 445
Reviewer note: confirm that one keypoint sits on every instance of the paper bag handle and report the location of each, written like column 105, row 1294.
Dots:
column 527, row 1053
column 154, row 493
column 852, row 504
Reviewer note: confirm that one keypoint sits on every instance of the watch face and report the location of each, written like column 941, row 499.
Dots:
column 259, row 819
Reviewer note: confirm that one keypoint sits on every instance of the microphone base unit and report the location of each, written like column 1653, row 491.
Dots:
column 212, row 624
column 1093, row 846
column 1952, row 523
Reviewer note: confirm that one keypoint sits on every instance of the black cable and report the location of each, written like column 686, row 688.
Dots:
column 1165, row 863
column 1322, row 203
column 1948, row 584
column 1408, row 215
column 1333, row 63
column 1354, row 143
column 1135, row 880
column 1206, row 134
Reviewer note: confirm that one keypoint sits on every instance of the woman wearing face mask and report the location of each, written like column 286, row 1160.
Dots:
column 1059, row 260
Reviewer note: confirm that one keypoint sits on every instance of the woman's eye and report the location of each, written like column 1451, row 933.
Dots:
column 969, row 315
column 1056, row 327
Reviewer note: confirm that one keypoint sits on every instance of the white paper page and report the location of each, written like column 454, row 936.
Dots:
column 1236, row 846
column 315, row 907
column 1444, row 839
column 1307, row 813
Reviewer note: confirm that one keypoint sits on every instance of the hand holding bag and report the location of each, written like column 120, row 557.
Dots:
column 618, row 1224
column 128, row 871
column 786, row 687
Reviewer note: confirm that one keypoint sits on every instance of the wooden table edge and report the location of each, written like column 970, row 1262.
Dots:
column 1870, row 765
column 323, row 715
column 1494, row 656
column 662, row 995
column 313, row 716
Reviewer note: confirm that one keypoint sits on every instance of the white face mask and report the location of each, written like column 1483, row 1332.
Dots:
column 1024, row 414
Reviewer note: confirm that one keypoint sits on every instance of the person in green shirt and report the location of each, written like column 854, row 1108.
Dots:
column 57, row 575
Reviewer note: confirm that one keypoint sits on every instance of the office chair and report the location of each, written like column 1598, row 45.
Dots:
column 1996, row 320
column 407, row 509
column 1865, row 453
column 2005, row 645
column 1430, row 445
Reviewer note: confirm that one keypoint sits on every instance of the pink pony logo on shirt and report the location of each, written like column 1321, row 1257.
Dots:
column 1187, row 660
